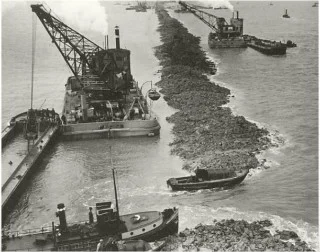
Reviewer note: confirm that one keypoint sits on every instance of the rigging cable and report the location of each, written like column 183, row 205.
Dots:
column 34, row 33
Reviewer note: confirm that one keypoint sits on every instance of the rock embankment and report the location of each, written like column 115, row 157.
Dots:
column 206, row 134
column 233, row 235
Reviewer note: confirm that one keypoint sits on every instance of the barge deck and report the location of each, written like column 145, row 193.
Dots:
column 12, row 185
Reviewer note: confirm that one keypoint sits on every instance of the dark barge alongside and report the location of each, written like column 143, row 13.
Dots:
column 207, row 179
column 267, row 47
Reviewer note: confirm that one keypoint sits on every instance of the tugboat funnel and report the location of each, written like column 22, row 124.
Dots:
column 117, row 37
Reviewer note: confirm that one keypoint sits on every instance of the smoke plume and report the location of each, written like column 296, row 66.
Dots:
column 81, row 15
column 219, row 3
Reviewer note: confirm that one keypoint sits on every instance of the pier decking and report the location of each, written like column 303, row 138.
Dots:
column 11, row 185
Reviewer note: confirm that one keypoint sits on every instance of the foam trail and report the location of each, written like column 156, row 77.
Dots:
column 82, row 15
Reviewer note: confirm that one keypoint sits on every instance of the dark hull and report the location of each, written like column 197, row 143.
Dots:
column 269, row 50
column 170, row 226
column 88, row 241
column 216, row 43
column 205, row 184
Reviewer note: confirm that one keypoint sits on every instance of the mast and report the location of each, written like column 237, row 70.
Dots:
column 34, row 30
column 115, row 186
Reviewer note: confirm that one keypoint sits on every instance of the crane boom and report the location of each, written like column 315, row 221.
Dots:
column 76, row 49
column 220, row 26
column 211, row 20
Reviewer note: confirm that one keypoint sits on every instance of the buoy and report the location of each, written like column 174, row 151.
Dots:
column 10, row 162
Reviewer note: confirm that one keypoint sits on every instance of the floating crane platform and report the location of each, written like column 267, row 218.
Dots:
column 224, row 34
column 230, row 35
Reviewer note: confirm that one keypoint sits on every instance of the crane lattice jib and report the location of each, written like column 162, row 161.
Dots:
column 214, row 22
column 75, row 48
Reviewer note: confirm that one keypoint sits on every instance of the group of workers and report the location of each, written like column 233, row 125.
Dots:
column 46, row 117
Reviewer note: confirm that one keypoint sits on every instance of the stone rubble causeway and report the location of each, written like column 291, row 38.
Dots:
column 208, row 135
column 236, row 235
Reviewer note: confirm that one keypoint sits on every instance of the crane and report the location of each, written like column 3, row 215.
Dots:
column 224, row 35
column 218, row 24
column 89, row 63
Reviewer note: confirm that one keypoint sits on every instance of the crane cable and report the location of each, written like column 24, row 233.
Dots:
column 34, row 36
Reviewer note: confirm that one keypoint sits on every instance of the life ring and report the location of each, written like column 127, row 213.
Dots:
column 136, row 218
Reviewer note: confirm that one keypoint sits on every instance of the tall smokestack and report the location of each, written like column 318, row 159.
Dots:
column 62, row 217
column 117, row 37
column 237, row 14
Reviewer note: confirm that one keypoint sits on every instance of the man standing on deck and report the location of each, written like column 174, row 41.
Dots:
column 90, row 215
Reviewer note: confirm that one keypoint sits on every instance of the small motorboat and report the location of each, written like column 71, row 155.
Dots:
column 285, row 15
column 207, row 179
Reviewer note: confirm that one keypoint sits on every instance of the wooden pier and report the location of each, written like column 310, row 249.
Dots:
column 14, row 183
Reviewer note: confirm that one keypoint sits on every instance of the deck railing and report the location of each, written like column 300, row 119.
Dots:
column 14, row 234
column 44, row 229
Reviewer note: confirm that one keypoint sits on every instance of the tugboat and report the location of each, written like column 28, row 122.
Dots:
column 102, row 100
column 285, row 15
column 148, row 226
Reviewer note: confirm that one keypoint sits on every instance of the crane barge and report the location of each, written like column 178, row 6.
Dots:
column 224, row 35
column 102, row 99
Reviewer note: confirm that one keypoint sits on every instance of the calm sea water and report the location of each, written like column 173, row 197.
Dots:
column 279, row 93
